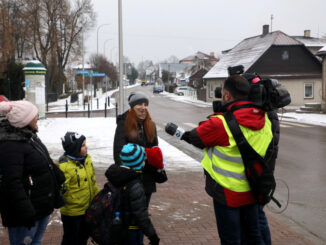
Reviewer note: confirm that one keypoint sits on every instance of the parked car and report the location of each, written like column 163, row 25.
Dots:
column 182, row 90
column 158, row 88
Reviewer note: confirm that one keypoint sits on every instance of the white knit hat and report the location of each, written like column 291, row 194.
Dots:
column 19, row 113
column 136, row 98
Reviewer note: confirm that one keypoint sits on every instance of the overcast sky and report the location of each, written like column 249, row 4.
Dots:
column 157, row 29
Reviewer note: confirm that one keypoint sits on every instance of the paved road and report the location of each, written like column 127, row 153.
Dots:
column 301, row 161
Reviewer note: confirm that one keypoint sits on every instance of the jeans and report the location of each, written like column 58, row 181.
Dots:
column 264, row 227
column 22, row 235
column 75, row 230
column 136, row 237
column 235, row 222
column 148, row 199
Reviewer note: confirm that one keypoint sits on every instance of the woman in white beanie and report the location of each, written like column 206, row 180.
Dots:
column 29, row 179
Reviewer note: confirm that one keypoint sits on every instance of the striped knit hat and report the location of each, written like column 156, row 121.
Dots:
column 133, row 156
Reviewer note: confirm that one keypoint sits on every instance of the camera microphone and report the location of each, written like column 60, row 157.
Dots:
column 173, row 130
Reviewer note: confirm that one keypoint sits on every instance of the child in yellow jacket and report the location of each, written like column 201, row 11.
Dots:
column 80, row 188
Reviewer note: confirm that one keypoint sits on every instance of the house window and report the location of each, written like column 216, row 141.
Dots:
column 308, row 90
column 210, row 90
column 285, row 55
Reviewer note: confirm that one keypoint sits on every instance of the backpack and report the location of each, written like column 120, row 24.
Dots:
column 100, row 215
column 259, row 174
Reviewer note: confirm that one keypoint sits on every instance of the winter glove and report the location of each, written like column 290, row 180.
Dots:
column 186, row 136
column 155, row 157
column 154, row 240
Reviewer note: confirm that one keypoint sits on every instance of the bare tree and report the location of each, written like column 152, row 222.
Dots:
column 102, row 65
column 7, row 45
column 71, row 21
column 56, row 27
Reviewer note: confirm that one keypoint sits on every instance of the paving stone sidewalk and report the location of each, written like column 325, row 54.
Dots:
column 182, row 213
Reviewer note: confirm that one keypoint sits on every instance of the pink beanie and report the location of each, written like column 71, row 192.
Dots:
column 19, row 113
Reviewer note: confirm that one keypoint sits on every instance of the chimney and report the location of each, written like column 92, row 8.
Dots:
column 265, row 29
column 306, row 33
column 212, row 54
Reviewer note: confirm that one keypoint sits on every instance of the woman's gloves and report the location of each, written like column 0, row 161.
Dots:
column 155, row 157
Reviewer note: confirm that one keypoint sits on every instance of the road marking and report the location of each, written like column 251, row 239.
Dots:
column 296, row 124
column 193, row 125
column 285, row 126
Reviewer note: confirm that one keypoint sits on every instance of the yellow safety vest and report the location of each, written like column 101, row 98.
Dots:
column 224, row 163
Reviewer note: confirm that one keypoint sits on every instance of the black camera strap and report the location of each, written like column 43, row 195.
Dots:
column 263, row 184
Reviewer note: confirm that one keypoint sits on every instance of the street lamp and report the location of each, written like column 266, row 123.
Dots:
column 105, row 45
column 111, row 56
column 98, row 28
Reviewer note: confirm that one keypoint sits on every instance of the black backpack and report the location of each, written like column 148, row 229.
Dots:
column 100, row 215
column 259, row 174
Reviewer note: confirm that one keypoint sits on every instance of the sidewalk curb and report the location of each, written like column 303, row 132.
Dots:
column 297, row 228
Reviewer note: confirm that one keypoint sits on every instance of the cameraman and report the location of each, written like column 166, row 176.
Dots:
column 236, row 209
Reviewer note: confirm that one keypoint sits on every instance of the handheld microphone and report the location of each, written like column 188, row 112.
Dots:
column 173, row 130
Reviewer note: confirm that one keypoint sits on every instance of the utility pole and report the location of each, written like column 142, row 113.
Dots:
column 121, row 82
column 272, row 17
column 83, row 51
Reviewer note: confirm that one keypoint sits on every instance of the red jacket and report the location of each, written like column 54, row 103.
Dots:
column 213, row 133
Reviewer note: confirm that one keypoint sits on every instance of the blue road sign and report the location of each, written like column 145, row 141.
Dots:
column 98, row 74
column 82, row 72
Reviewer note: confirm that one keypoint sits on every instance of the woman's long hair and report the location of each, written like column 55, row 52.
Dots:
column 131, row 127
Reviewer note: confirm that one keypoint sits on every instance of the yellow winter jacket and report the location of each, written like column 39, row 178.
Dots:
column 80, row 185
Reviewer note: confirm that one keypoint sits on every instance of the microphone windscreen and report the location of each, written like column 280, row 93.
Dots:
column 171, row 128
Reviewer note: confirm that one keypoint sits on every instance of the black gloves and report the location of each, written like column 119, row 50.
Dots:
column 186, row 137
column 154, row 240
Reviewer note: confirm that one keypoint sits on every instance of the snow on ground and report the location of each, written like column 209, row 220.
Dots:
column 309, row 118
column 187, row 99
column 59, row 105
column 99, row 134
column 314, row 119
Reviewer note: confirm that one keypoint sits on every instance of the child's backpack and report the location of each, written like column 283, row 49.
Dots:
column 100, row 215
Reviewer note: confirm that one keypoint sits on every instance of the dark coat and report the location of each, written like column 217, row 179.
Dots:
column 120, row 140
column 133, row 199
column 27, row 185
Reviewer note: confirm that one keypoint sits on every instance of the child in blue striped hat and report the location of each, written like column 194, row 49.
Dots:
column 133, row 205
column 133, row 156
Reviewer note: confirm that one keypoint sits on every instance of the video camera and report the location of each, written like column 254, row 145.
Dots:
column 266, row 94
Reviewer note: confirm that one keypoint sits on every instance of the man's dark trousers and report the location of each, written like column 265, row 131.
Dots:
column 234, row 223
